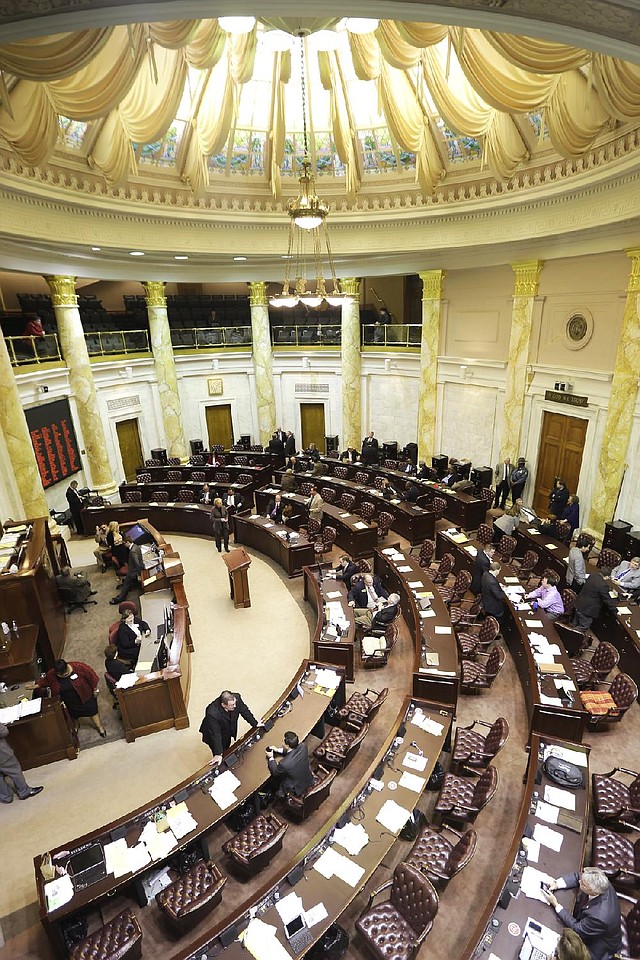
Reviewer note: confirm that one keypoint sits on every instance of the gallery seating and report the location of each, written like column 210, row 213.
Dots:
column 396, row 928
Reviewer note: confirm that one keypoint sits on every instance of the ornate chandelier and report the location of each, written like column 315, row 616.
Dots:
column 309, row 242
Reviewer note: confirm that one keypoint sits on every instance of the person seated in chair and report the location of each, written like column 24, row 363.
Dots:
column 232, row 502
column 77, row 587
column 128, row 638
column 411, row 493
column 275, row 508
column 346, row 570
column 547, row 596
column 206, row 496
column 114, row 664
column 423, row 471
column 312, row 452
column 626, row 577
column 367, row 596
column 387, row 490
column 451, row 476
column 288, row 482
column 350, row 455
column 291, row 774
column 386, row 613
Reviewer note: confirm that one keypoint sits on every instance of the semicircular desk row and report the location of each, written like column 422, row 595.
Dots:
column 434, row 695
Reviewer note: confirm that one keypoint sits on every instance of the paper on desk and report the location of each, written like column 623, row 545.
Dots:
column 393, row 816
column 425, row 614
column 551, row 546
column 414, row 761
column 578, row 757
column 405, row 569
column 261, row 942
column 138, row 857
column 511, row 580
column 560, row 798
column 127, row 680
column 315, row 914
column 254, row 516
column 289, row 907
column 327, row 678
column 442, row 630
column 547, row 837
column 415, row 584
column 30, row 707
column 359, row 525
column 268, row 526
column 534, row 623
column 564, row 683
column 412, row 782
column 550, row 701
column 421, row 720
column 472, row 551
column 334, row 595
column 547, row 812
column 522, row 607
column 326, row 864
column 160, row 845
column 533, row 532
column 530, row 883
column 353, row 837
column 116, row 856
column 624, row 610
column 533, row 850
column 58, row 892
column 389, row 551
column 180, row 820
column 10, row 714
column 222, row 795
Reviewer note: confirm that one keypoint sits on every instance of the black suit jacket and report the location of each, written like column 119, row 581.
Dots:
column 359, row 595
column 220, row 726
column 596, row 920
column 347, row 572
column 412, row 494
column 481, row 564
column 276, row 446
column 492, row 595
column 290, row 446
column 385, row 616
column 273, row 513
column 293, row 771
column 593, row 596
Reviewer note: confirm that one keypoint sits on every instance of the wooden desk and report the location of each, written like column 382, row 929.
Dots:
column 18, row 663
column 463, row 509
column 622, row 631
column 44, row 737
column 363, row 806
column 305, row 714
column 485, row 939
column 553, row 553
column 264, row 535
column 148, row 491
column 259, row 474
column 353, row 534
column 327, row 647
column 237, row 563
column 439, row 682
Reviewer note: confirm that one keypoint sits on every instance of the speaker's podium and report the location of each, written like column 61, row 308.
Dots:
column 238, row 566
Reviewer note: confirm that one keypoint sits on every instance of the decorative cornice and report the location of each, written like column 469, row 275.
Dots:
column 154, row 293
column 257, row 294
column 527, row 275
column 63, row 291
column 432, row 282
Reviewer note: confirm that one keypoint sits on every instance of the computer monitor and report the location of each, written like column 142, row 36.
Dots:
column 138, row 534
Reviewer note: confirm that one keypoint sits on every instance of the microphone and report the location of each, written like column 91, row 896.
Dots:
column 417, row 748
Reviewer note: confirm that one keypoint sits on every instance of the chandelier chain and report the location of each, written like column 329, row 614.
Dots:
column 304, row 97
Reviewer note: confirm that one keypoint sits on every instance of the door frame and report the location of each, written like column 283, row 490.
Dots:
column 226, row 401
column 134, row 412
column 327, row 416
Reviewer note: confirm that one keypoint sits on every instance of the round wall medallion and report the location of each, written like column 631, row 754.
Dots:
column 578, row 330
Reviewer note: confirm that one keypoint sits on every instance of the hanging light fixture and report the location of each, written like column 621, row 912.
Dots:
column 237, row 25
column 308, row 235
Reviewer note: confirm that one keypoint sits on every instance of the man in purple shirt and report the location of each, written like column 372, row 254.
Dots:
column 547, row 596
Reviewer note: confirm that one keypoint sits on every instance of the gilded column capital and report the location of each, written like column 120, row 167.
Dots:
column 154, row 293
column 527, row 276
column 633, row 286
column 63, row 290
column 432, row 282
column 258, row 294
column 351, row 286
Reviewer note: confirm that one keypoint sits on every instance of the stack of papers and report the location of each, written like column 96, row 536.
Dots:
column 159, row 845
column 393, row 816
column 547, row 837
column 334, row 864
column 260, row 940
column 412, row 782
column 58, row 892
column 352, row 837
column 530, row 883
column 328, row 679
column 222, row 789
column 180, row 820
column 420, row 719
column 24, row 708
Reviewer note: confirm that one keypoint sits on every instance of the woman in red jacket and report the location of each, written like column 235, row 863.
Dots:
column 77, row 686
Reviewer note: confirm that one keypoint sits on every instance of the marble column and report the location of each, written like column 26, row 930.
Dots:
column 83, row 388
column 351, row 366
column 526, row 289
column 165, row 367
column 15, row 431
column 622, row 400
column 262, row 360
column 432, row 282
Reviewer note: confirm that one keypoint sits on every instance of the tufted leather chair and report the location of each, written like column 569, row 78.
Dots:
column 484, row 534
column 132, row 496
column 185, row 496
column 305, row 489
column 192, row 895
column 301, row 807
column 241, row 460
column 324, row 543
column 328, row 494
column 443, row 570
column 347, row 502
column 616, row 855
column 197, row 460
column 439, row 507
column 159, row 496
column 455, row 593
column 569, row 598
column 376, row 653
column 472, row 751
column 120, row 938
column 378, row 483
column 466, row 614
column 488, row 495
column 616, row 803
column 221, row 476
column 479, row 676
column 340, row 746
column 384, row 524
column 589, row 672
column 144, row 478
column 396, row 928
column 198, row 476
column 333, row 454
column 427, row 551
column 341, row 472
column 313, row 528
column 390, row 464
column 525, row 567
column 505, row 548
column 462, row 799
column 364, row 566
column 174, row 476
column 245, row 478
column 630, row 929
column 360, row 708
column 152, row 463
column 563, row 530
column 477, row 635
column 361, row 477
column 218, row 448
column 607, row 560
column 173, row 461
column 255, row 846
column 367, row 511
column 623, row 691
column 439, row 857
column 256, row 448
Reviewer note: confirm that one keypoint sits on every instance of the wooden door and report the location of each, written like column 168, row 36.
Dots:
column 130, row 447
column 312, row 423
column 560, row 455
column 220, row 425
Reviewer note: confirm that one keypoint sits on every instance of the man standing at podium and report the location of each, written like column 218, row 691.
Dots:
column 220, row 724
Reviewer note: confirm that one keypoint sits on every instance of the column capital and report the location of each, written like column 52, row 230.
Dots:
column 154, row 293
column 258, row 293
column 63, row 290
column 432, row 281
column 633, row 286
column 351, row 286
column 527, row 276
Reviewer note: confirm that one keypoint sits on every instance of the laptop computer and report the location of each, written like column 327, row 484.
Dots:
column 298, row 934
column 87, row 866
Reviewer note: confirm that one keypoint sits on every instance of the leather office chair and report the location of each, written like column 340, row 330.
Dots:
column 473, row 752
column 616, row 804
column 313, row 528
column 256, row 448
column 439, row 507
column 347, row 502
column 569, row 598
column 333, row 454
column 616, row 855
column 466, row 614
column 390, row 464
column 488, row 494
column 505, row 548
column 152, row 463
column 603, row 709
column 367, row 511
column 111, row 687
column 254, row 847
column 341, row 473
column 174, row 476
column 607, row 560
column 144, row 478
column 132, row 496
column 378, row 483
column 185, row 901
column 197, row 460
column 630, row 929
column 198, row 476
column 221, row 476
column 396, row 928
column 484, row 534
column 241, row 461
column 524, row 568
column 328, row 494
column 563, row 530
column 159, row 496
column 119, row 939
column 305, row 489
column 245, row 478
column 384, row 524
column 173, row 461
column 324, row 543
column 591, row 671
column 364, row 566
column 462, row 799
column 185, row 496
column 360, row 708
column 339, row 747
column 218, row 448
column 444, row 568
column 361, row 477
column 71, row 603
column 453, row 595
column 427, row 550
column 438, row 857
column 376, row 648
column 479, row 676
column 299, row 808
column 477, row 636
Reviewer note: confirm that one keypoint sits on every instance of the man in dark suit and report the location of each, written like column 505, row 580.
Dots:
column 492, row 595
column 275, row 508
column 276, row 446
column 503, row 473
column 289, row 445
column 596, row 915
column 591, row 599
column 412, row 492
column 232, row 502
column 423, row 471
column 345, row 570
column 135, row 564
column 367, row 596
column 292, row 773
column 388, row 612
column 220, row 724
column 76, row 503
column 370, row 449
column 481, row 564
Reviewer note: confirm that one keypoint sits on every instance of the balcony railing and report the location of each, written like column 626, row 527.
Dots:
column 300, row 336
column 203, row 338
column 108, row 342
column 392, row 335
column 28, row 350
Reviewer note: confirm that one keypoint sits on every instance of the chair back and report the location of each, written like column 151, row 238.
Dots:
column 460, row 586
column 495, row 662
column 328, row 494
column 159, row 496
column 529, row 562
column 484, row 534
column 563, row 529
column 174, row 476
column 241, row 460
column 305, row 489
column 144, row 478
column 341, row 472
column 378, row 483
column 489, row 630
column 197, row 460
column 367, row 511
column 445, row 567
column 347, row 501
column 497, row 737
column 152, row 463
column 506, row 546
column 605, row 658
column 173, row 461
column 198, row 476
column 487, row 494
column 333, row 454
column 328, row 538
column 485, row 788
column 221, row 476
column 313, row 527
column 608, row 559
column 133, row 496
column 218, row 448
column 439, row 507
column 361, row 477
column 461, row 853
column 624, row 691
column 245, row 478
column 631, row 932
column 364, row 566
column 185, row 496
column 256, row 448
column 569, row 598
column 427, row 551
column 390, row 464
column 308, row 803
column 414, row 897
column 384, row 523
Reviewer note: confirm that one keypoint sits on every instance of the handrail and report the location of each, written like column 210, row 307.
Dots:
column 28, row 349
column 203, row 338
column 129, row 342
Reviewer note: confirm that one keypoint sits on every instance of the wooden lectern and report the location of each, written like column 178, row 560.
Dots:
column 238, row 565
